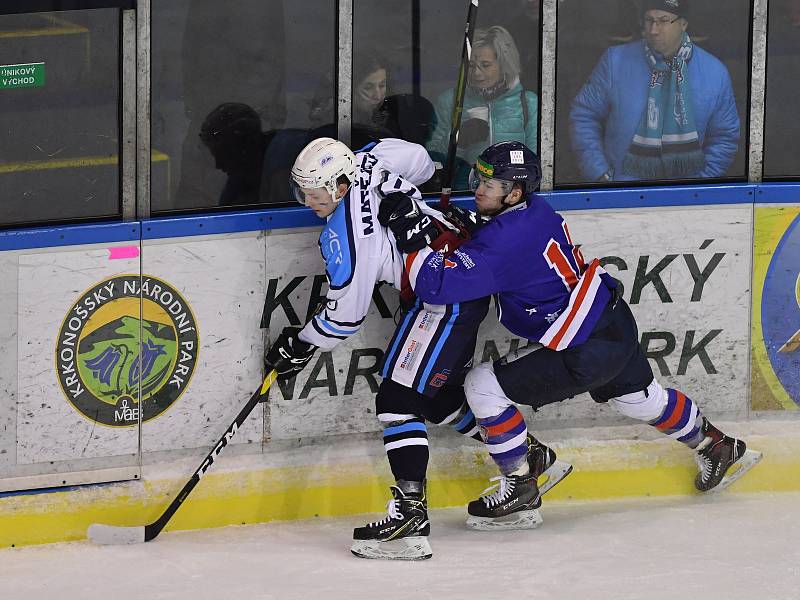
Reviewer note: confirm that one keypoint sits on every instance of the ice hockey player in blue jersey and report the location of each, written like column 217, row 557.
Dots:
column 432, row 348
column 582, row 336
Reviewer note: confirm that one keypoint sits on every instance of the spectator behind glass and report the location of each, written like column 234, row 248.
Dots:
column 370, row 74
column 218, row 47
column 257, row 163
column 685, row 125
column 371, row 80
column 496, row 107
column 375, row 115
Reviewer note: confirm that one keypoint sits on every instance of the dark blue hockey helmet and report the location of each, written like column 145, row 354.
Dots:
column 510, row 161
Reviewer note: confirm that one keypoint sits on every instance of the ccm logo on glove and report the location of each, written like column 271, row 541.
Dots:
column 412, row 229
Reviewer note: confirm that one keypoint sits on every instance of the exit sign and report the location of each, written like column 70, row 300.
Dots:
column 21, row 76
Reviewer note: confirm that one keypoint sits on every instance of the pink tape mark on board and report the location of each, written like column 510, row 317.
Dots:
column 123, row 252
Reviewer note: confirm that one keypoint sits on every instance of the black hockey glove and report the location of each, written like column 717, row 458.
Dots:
column 466, row 220
column 289, row 354
column 413, row 229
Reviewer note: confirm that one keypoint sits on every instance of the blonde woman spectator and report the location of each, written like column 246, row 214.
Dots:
column 496, row 107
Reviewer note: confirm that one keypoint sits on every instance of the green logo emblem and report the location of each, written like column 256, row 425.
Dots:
column 100, row 362
column 485, row 168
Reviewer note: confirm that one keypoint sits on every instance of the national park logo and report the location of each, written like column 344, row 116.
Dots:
column 100, row 362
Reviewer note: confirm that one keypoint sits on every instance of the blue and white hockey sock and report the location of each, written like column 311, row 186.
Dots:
column 406, row 445
column 506, row 438
column 463, row 421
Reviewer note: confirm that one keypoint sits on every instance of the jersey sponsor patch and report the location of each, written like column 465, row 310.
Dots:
column 415, row 346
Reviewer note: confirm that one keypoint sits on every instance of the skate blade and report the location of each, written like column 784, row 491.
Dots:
column 524, row 519
column 407, row 548
column 749, row 460
column 553, row 475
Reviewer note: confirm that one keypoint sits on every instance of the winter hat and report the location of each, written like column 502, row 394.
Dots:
column 679, row 8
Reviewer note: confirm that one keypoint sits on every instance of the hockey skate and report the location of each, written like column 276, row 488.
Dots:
column 721, row 460
column 511, row 503
column 402, row 534
column 543, row 463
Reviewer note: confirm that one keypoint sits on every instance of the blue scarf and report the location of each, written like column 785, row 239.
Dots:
column 666, row 144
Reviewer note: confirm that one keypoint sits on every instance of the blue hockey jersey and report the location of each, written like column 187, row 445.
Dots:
column 544, row 291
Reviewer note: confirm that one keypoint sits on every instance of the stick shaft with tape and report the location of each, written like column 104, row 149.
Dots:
column 458, row 104
column 113, row 535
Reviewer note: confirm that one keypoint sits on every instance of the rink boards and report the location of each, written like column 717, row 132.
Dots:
column 353, row 477
column 173, row 308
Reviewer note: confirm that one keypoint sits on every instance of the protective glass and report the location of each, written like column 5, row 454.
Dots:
column 495, row 187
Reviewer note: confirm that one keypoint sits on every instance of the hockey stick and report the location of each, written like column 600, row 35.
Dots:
column 458, row 104
column 111, row 534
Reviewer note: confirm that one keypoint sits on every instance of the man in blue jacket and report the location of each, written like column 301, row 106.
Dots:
column 656, row 108
column 583, row 337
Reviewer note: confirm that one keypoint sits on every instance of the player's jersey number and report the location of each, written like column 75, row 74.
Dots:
column 569, row 272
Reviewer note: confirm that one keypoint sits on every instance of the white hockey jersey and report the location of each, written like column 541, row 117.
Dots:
column 357, row 250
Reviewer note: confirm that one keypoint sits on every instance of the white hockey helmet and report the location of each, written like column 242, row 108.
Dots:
column 319, row 165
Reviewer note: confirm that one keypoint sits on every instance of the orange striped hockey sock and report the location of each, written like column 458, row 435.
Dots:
column 681, row 419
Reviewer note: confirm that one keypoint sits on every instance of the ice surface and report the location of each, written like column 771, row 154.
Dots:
column 731, row 547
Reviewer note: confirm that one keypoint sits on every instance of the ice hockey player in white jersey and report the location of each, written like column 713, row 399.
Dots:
column 432, row 348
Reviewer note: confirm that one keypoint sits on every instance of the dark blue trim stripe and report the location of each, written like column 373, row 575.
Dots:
column 315, row 324
column 694, row 433
column 300, row 216
column 256, row 220
column 465, row 420
column 672, row 399
column 778, row 193
column 326, row 324
column 594, row 199
column 687, row 412
column 70, row 235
